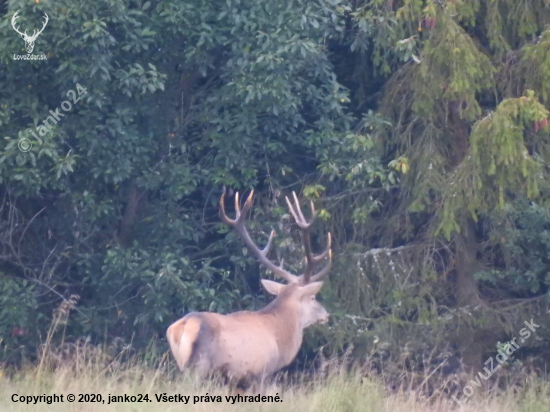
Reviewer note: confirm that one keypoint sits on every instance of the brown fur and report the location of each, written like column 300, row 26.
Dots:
column 247, row 345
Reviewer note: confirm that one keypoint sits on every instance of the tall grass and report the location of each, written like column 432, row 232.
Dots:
column 84, row 369
column 80, row 368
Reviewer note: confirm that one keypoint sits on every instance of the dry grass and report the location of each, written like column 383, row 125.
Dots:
column 80, row 368
column 83, row 369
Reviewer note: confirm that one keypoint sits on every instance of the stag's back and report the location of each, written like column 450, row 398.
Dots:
column 246, row 344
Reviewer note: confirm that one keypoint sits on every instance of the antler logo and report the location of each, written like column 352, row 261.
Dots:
column 29, row 40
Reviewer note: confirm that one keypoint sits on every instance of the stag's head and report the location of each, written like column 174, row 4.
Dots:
column 29, row 40
column 301, row 299
column 299, row 291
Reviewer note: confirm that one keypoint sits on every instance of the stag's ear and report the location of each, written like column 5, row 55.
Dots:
column 272, row 287
column 311, row 288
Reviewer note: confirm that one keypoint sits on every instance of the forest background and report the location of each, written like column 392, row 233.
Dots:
column 419, row 128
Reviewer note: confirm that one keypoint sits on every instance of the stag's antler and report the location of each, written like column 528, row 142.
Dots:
column 304, row 225
column 261, row 254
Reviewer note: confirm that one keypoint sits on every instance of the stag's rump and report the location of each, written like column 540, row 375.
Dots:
column 241, row 344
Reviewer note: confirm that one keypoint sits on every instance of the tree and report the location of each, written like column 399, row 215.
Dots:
column 173, row 101
column 465, row 93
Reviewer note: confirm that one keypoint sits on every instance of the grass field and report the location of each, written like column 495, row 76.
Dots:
column 88, row 373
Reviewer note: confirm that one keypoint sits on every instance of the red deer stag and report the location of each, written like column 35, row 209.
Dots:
column 247, row 347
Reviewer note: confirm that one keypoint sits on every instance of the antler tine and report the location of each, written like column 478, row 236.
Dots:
column 238, row 212
column 304, row 225
column 318, row 258
column 312, row 207
column 321, row 256
column 238, row 206
column 298, row 208
column 297, row 214
column 260, row 254
column 325, row 270
column 265, row 250
column 223, row 216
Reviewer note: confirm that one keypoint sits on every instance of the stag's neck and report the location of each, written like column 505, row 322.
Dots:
column 289, row 329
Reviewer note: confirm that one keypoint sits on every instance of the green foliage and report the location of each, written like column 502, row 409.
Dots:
column 520, row 236
column 453, row 69
column 353, row 156
column 498, row 161
column 120, row 197
column 18, row 305
column 467, row 139
column 536, row 60
column 377, row 29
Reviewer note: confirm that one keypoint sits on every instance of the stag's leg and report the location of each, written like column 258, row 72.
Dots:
column 242, row 385
column 257, row 384
column 256, row 387
column 203, row 368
